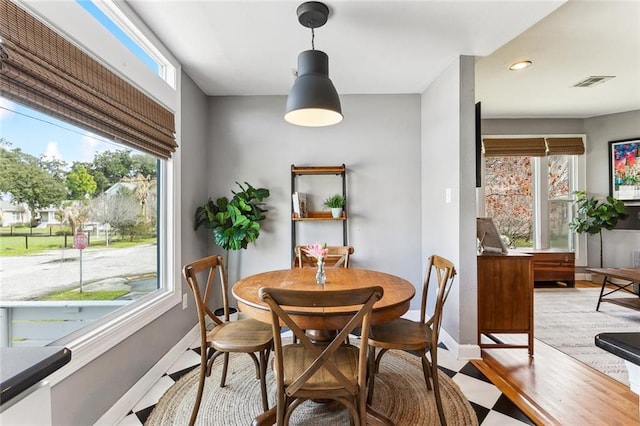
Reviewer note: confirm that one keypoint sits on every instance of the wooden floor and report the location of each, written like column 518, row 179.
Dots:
column 554, row 389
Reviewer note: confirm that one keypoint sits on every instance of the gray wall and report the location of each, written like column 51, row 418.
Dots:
column 378, row 141
column 532, row 126
column 618, row 244
column 448, row 166
column 401, row 152
column 83, row 397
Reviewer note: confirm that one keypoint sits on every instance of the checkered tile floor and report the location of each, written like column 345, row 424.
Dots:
column 491, row 406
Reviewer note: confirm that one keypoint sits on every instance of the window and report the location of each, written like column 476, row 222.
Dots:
column 528, row 186
column 561, row 186
column 156, row 211
column 120, row 34
column 509, row 197
column 66, row 181
column 115, row 20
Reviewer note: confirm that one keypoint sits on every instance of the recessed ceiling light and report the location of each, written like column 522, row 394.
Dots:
column 520, row 65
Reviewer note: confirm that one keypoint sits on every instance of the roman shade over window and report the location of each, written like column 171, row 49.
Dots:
column 42, row 70
column 532, row 147
column 565, row 146
column 514, row 147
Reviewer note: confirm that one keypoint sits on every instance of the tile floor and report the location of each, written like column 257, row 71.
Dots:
column 491, row 406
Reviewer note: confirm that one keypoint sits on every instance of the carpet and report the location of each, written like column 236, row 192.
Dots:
column 400, row 394
column 567, row 320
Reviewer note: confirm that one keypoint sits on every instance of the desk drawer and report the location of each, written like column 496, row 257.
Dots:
column 553, row 266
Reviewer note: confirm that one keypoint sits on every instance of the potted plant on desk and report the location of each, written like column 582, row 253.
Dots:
column 336, row 204
column 593, row 216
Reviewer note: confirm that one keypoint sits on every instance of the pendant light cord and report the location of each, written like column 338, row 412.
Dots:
column 313, row 36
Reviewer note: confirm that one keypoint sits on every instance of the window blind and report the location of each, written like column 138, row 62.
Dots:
column 41, row 69
column 514, row 147
column 565, row 146
column 532, row 147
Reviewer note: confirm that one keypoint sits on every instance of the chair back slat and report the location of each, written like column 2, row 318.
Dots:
column 443, row 272
column 337, row 257
column 282, row 303
column 213, row 266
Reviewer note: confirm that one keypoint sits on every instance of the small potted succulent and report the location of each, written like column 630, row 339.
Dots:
column 336, row 204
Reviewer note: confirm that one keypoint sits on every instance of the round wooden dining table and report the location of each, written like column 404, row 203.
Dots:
column 395, row 301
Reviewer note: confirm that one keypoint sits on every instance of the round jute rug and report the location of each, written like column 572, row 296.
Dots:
column 400, row 394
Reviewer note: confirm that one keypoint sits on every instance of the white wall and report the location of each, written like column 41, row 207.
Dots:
column 448, row 166
column 378, row 141
column 546, row 126
column 617, row 244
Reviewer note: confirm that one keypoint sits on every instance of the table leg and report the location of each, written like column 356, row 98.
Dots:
column 604, row 284
column 320, row 336
column 617, row 286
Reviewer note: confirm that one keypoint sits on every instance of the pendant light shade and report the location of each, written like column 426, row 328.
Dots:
column 313, row 100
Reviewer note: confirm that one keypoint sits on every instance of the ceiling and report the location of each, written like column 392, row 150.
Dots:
column 250, row 47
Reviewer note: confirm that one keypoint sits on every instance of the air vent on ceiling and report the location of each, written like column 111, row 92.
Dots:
column 593, row 80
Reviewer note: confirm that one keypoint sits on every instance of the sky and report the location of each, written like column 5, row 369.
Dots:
column 41, row 135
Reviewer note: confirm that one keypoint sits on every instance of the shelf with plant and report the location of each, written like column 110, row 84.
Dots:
column 336, row 204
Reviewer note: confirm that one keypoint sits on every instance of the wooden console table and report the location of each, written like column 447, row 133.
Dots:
column 553, row 265
column 632, row 275
column 505, row 298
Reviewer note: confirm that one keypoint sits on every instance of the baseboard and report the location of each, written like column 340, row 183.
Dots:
column 583, row 277
column 461, row 352
column 126, row 403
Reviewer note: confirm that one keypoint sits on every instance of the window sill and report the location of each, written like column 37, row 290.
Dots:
column 90, row 346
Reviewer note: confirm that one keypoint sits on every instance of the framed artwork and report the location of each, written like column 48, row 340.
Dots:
column 624, row 169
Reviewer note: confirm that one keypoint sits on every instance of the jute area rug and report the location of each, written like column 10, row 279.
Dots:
column 400, row 394
column 567, row 320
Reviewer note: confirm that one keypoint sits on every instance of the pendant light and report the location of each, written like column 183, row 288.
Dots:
column 313, row 100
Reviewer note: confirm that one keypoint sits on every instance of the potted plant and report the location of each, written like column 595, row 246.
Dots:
column 593, row 216
column 336, row 204
column 236, row 222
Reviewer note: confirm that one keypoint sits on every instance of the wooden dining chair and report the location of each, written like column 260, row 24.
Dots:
column 338, row 257
column 418, row 337
column 331, row 370
column 224, row 336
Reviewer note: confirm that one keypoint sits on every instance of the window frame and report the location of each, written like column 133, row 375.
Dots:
column 78, row 26
column 540, row 197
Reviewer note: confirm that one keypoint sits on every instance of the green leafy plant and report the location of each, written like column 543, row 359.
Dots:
column 335, row 201
column 594, row 215
column 236, row 222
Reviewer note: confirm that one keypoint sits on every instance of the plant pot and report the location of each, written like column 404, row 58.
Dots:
column 336, row 212
column 233, row 313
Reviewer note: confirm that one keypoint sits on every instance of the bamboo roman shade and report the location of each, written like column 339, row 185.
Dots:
column 532, row 147
column 42, row 70
column 514, row 147
column 565, row 146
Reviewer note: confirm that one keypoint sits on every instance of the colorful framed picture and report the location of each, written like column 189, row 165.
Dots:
column 624, row 169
